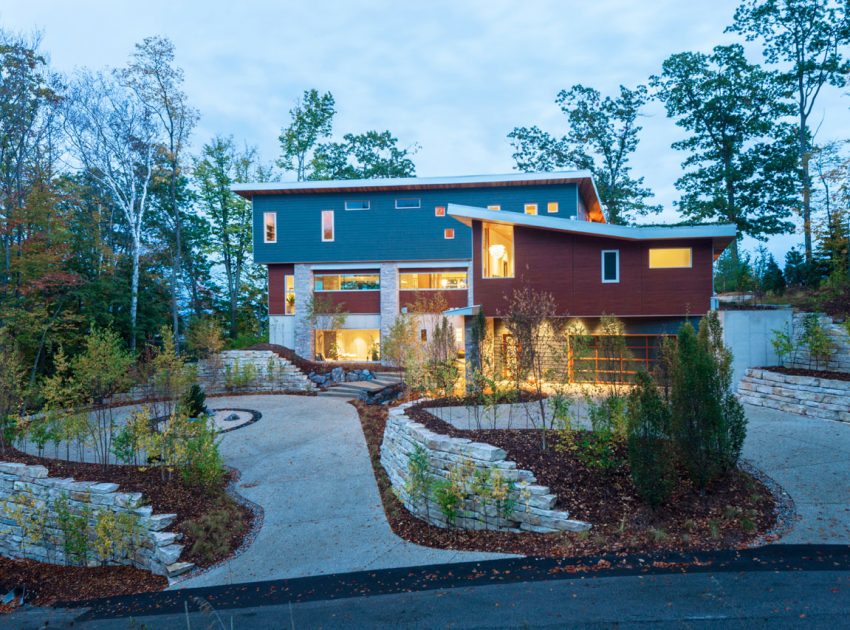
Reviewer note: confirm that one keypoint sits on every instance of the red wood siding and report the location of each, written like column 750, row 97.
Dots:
column 455, row 298
column 570, row 267
column 355, row 301
column 277, row 298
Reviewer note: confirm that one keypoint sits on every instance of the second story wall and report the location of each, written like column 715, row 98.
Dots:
column 384, row 232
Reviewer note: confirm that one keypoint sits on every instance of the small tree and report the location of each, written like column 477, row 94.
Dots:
column 171, row 376
column 325, row 314
column 530, row 318
column 816, row 340
column 441, row 357
column 651, row 453
column 12, row 373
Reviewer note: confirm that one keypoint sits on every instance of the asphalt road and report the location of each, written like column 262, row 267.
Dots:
column 780, row 586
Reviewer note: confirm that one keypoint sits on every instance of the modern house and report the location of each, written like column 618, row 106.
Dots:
column 463, row 244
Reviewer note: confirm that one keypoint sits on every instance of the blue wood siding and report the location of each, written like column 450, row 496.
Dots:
column 383, row 233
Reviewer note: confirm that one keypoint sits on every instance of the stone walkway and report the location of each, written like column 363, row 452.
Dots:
column 810, row 459
column 307, row 464
column 352, row 390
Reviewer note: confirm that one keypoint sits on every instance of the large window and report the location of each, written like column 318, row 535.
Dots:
column 289, row 294
column 611, row 265
column 669, row 258
column 432, row 281
column 270, row 227
column 347, row 282
column 348, row 345
column 497, row 256
column 327, row 225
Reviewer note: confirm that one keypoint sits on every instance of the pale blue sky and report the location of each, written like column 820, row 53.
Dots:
column 453, row 76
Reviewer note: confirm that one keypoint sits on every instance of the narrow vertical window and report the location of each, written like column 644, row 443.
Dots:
column 270, row 227
column 327, row 225
column 449, row 233
column 610, row 265
column 497, row 256
column 289, row 294
column 531, row 208
column 552, row 207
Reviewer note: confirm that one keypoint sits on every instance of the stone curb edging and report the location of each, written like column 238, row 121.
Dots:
column 533, row 503
column 28, row 491
column 785, row 510
column 811, row 396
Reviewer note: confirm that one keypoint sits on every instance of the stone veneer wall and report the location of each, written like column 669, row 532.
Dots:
column 839, row 360
column 533, row 503
column 303, row 293
column 823, row 398
column 273, row 372
column 30, row 528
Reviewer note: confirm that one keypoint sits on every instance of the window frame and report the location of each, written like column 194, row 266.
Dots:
column 366, row 201
column 690, row 264
column 340, row 276
column 266, row 216
column 287, row 293
column 616, row 252
column 418, row 201
column 550, row 205
column 433, row 273
column 485, row 254
column 329, row 213
column 526, row 207
column 439, row 211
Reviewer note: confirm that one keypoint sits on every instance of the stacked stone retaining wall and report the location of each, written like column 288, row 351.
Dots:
column 273, row 373
column 839, row 358
column 531, row 504
column 31, row 523
column 816, row 397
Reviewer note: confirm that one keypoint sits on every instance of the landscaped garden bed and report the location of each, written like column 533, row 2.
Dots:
column 212, row 525
column 734, row 511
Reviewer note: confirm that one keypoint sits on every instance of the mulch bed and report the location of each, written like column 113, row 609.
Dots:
column 732, row 513
column 319, row 367
column 49, row 583
column 835, row 376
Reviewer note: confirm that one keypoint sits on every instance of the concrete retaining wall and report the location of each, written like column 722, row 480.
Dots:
column 527, row 506
column 804, row 395
column 748, row 335
column 31, row 526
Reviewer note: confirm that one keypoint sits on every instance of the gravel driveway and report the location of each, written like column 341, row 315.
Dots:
column 306, row 463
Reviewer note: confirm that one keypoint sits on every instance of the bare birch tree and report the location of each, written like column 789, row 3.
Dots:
column 112, row 134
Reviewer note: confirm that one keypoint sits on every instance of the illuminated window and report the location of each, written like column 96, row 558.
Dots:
column 402, row 204
column 270, row 227
column 439, row 280
column 357, row 205
column 449, row 233
column 347, row 282
column 610, row 265
column 494, row 207
column 439, row 211
column 423, row 334
column 327, row 225
column 552, row 207
column 670, row 258
column 498, row 251
column 289, row 294
column 531, row 208
column 348, row 345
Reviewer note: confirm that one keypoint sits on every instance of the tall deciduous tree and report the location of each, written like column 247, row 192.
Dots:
column 740, row 165
column 113, row 134
column 602, row 136
column 158, row 83
column 805, row 39
column 311, row 122
column 221, row 165
column 367, row 155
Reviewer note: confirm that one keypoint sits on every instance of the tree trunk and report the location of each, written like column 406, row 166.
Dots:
column 134, row 291
column 176, row 270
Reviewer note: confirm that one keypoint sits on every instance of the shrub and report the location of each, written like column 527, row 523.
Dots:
column 193, row 403
column 201, row 462
column 709, row 424
column 816, row 340
column 651, row 454
column 783, row 345
column 213, row 531
column 205, row 337
column 609, row 415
